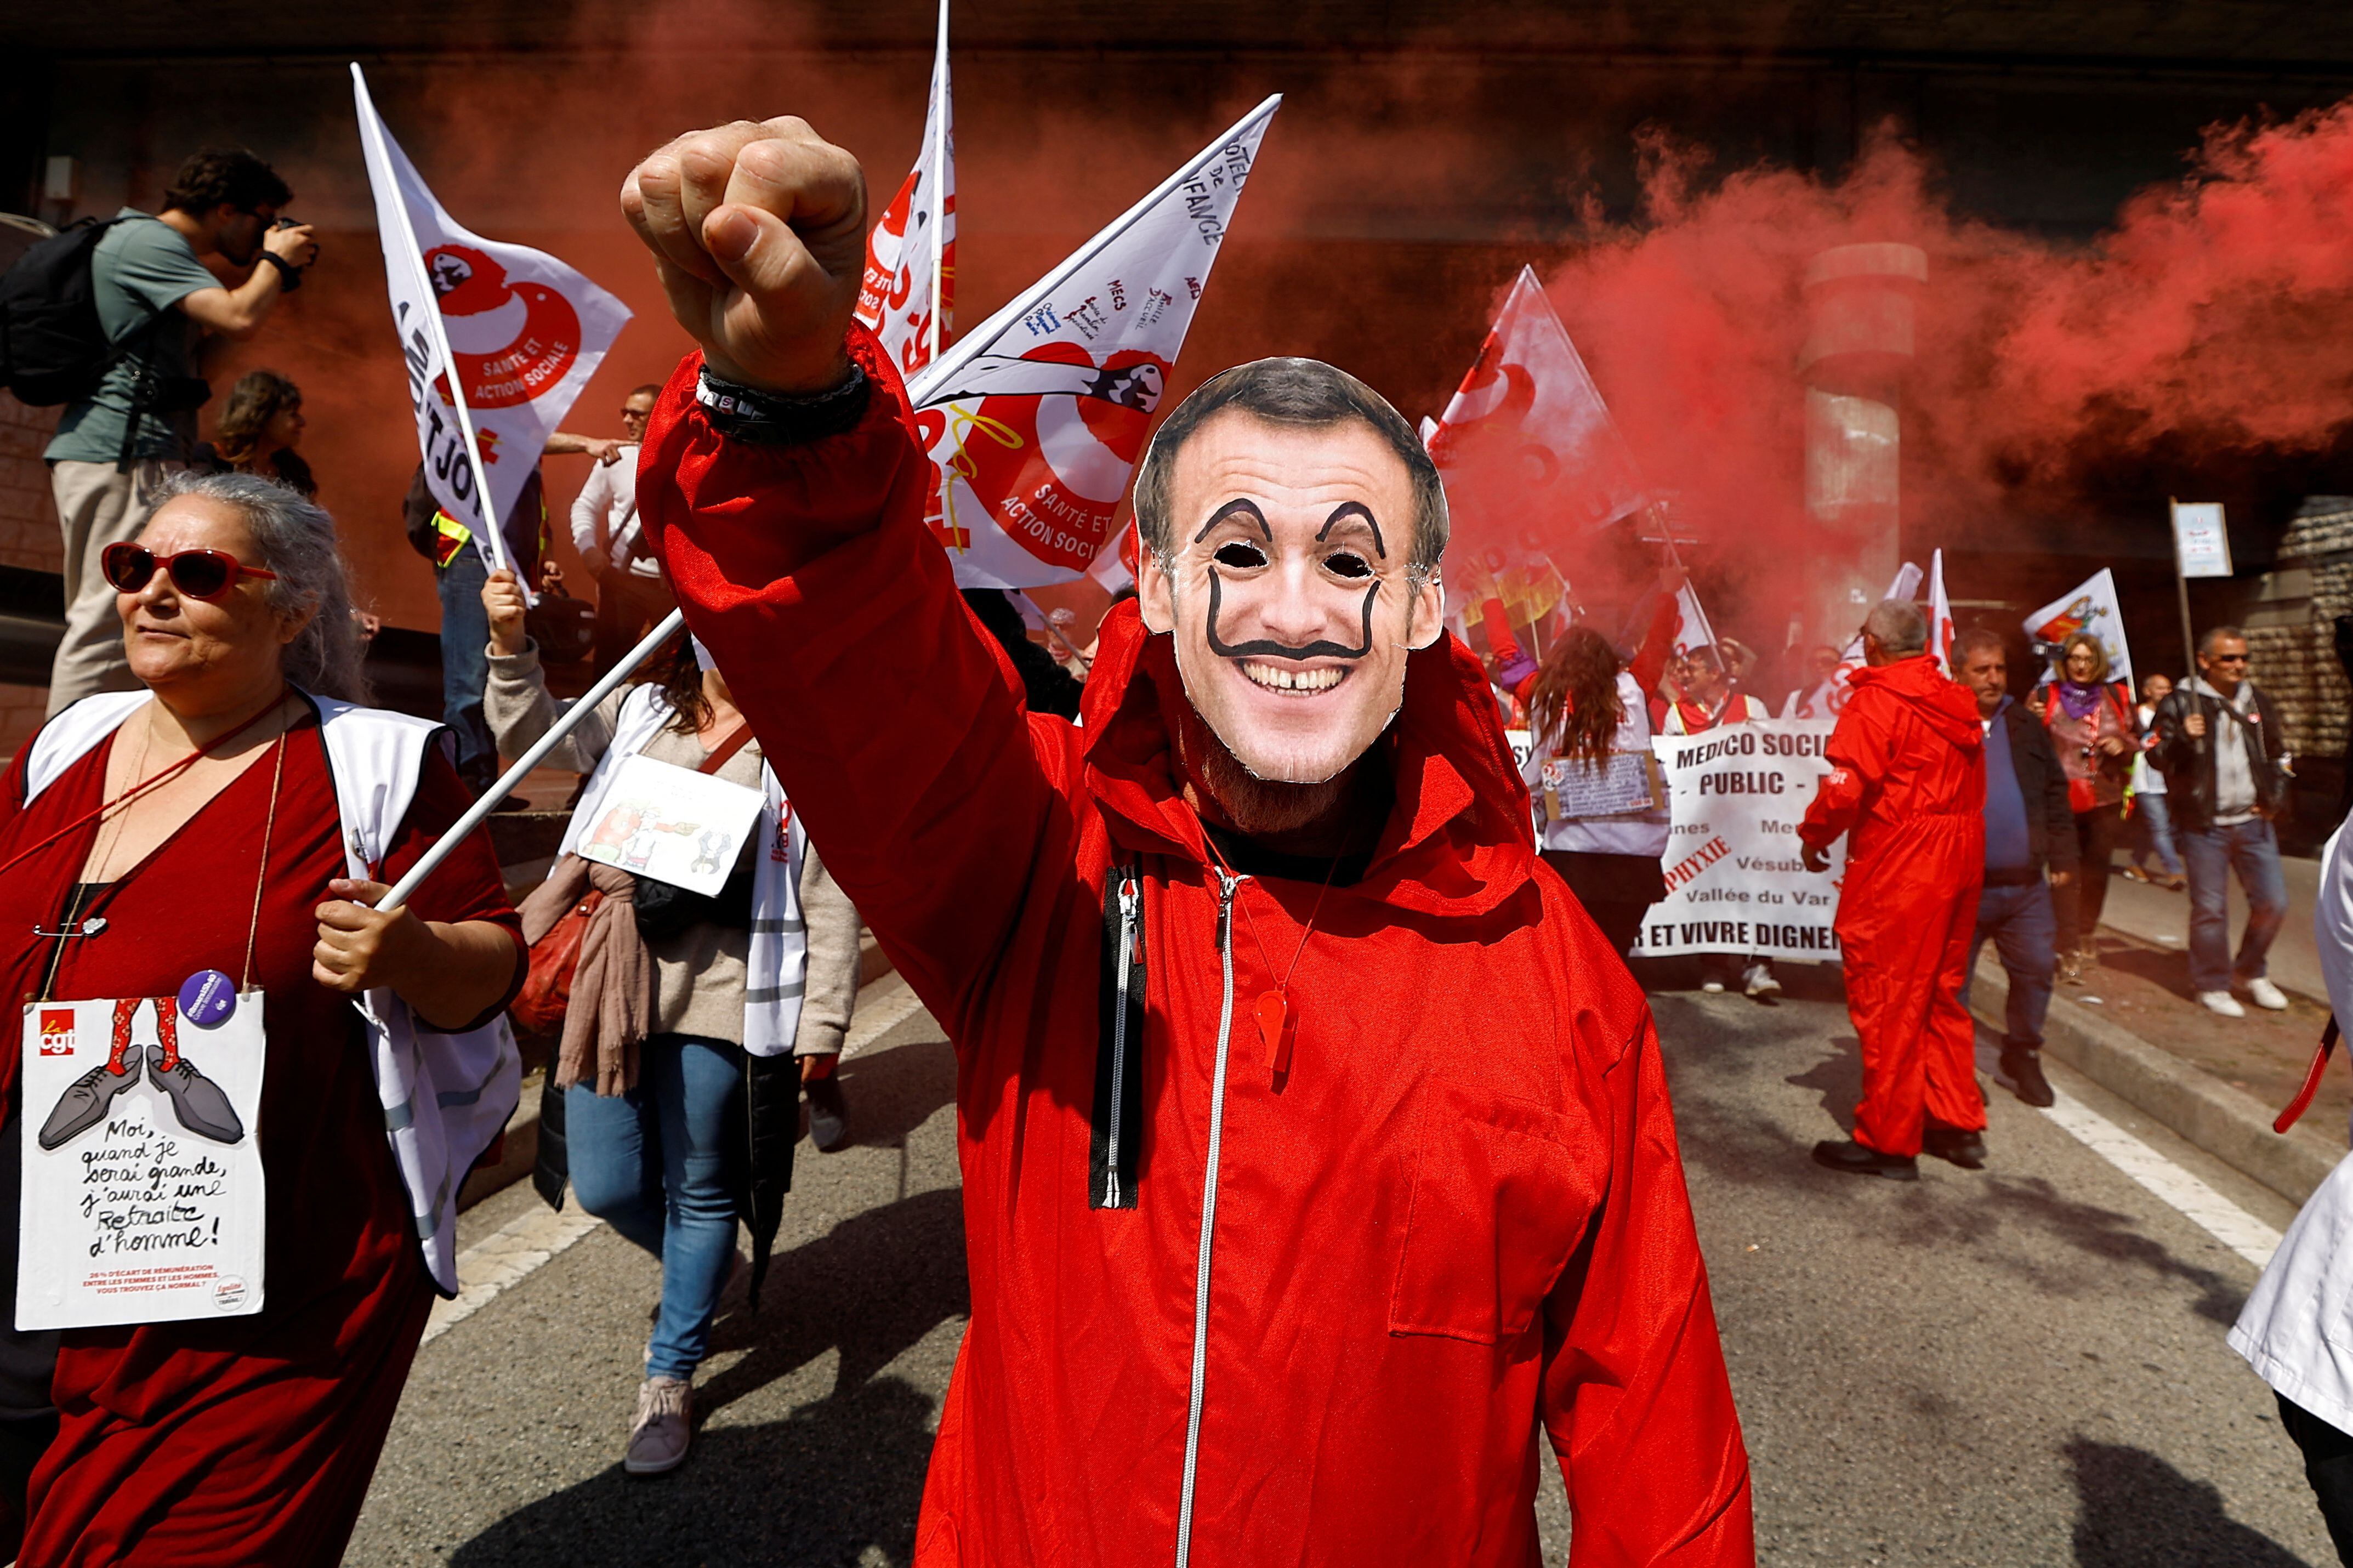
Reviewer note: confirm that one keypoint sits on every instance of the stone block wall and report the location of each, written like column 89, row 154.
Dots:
column 29, row 538
column 2291, row 640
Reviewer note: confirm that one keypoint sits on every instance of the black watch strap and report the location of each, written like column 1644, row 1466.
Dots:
column 290, row 276
column 743, row 413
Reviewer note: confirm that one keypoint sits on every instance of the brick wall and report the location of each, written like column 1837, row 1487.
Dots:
column 29, row 538
column 28, row 523
column 2293, row 659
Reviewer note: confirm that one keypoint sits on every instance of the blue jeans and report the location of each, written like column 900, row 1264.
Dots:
column 652, row 1162
column 2153, row 834
column 2210, row 855
column 2026, row 934
column 466, row 665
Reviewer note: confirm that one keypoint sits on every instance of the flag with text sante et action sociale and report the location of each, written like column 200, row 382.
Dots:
column 526, row 332
column 1036, row 417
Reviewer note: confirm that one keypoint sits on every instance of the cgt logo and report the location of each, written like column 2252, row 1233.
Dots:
column 57, row 1031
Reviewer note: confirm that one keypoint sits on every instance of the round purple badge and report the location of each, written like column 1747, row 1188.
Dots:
column 207, row 997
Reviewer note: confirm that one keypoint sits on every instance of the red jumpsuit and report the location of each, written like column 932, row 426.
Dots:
column 1907, row 777
column 1328, row 1315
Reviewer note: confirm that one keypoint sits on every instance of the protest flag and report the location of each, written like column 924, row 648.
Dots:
column 1693, row 632
column 1036, row 417
column 525, row 330
column 2089, row 606
column 1825, row 700
column 910, row 285
column 1940, row 614
column 1531, row 456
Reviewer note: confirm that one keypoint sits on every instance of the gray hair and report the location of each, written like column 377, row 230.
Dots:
column 295, row 538
column 2216, row 635
column 1898, row 625
column 1977, row 639
column 1298, row 392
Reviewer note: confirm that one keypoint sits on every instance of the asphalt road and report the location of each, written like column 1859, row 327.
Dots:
column 2019, row 1366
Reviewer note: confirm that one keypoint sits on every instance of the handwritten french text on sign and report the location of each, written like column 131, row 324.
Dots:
column 143, row 1196
column 1734, row 883
column 671, row 824
column 1625, row 780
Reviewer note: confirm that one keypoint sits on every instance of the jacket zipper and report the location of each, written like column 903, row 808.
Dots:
column 1127, row 901
column 1225, row 886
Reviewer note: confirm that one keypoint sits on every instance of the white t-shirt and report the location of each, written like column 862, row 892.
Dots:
column 610, row 499
column 2146, row 780
column 1629, row 833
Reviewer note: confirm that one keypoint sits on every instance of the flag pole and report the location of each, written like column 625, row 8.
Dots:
column 370, row 130
column 2181, row 587
column 939, row 119
column 566, row 721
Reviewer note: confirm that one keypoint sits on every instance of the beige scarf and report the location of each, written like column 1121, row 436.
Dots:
column 612, row 1007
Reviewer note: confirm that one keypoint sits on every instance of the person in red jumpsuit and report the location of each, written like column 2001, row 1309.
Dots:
column 1908, row 780
column 1318, row 1167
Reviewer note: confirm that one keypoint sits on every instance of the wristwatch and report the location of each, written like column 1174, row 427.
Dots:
column 290, row 276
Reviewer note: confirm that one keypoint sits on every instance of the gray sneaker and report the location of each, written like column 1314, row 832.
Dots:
column 664, row 1428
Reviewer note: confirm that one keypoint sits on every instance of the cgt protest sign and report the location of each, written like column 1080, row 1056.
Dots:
column 1734, row 883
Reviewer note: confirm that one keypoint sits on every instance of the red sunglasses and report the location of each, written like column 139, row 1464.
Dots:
column 198, row 574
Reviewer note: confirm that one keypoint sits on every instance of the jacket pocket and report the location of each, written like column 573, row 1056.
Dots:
column 1498, row 1203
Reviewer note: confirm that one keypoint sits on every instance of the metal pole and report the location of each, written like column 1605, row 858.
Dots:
column 939, row 185
column 2181, row 587
column 431, row 860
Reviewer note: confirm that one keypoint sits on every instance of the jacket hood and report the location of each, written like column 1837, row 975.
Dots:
column 1944, row 704
column 1457, row 841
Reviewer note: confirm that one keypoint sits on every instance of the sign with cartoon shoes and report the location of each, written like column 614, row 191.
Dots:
column 143, row 1196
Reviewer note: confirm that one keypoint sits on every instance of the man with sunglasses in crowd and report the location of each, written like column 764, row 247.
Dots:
column 631, row 594
column 155, row 298
column 2227, row 771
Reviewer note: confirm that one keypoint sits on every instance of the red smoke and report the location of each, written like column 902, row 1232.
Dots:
column 2210, row 319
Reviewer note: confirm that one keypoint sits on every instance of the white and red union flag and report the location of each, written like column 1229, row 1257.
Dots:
column 1035, row 420
column 2091, row 606
column 913, row 248
column 1940, row 614
column 525, row 330
column 1531, row 456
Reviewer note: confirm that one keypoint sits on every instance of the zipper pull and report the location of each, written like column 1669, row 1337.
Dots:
column 1225, row 886
column 1127, row 902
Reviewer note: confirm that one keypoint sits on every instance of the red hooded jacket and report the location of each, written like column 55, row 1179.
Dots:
column 1908, row 745
column 1218, row 1316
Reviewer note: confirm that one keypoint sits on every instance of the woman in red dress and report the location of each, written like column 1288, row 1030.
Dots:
column 246, row 1439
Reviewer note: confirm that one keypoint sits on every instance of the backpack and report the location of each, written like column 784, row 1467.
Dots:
column 52, row 347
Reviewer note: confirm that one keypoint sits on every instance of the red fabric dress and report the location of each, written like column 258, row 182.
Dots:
column 1907, row 777
column 249, row 1440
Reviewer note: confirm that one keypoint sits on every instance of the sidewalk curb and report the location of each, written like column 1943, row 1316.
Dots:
column 2228, row 1123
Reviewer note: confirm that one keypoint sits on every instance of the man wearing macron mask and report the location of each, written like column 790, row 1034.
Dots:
column 1315, row 1147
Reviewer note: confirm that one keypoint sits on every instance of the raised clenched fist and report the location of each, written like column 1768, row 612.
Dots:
column 759, row 236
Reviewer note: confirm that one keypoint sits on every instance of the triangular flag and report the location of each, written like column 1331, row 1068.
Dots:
column 1825, row 700
column 1036, row 417
column 1940, row 614
column 526, row 332
column 1531, row 456
column 1693, row 631
column 910, row 286
column 2091, row 606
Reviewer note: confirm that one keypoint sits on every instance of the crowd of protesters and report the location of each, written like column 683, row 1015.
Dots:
column 213, row 629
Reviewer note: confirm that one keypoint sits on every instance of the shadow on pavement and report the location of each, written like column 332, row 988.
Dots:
column 2133, row 1509
column 817, row 1490
column 892, row 1092
column 2111, row 1237
column 871, row 1288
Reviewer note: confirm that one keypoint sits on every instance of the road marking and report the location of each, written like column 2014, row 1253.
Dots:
column 2225, row 1221
column 522, row 1246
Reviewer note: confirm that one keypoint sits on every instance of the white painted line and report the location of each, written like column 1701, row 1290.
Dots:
column 2225, row 1221
column 519, row 1248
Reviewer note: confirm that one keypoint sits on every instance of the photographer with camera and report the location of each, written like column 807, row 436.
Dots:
column 155, row 299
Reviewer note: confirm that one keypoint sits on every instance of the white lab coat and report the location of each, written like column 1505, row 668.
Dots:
column 2296, row 1330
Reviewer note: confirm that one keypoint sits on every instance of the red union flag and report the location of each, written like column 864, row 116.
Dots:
column 914, row 245
column 525, row 330
column 1531, row 456
column 1036, row 418
column 1940, row 614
